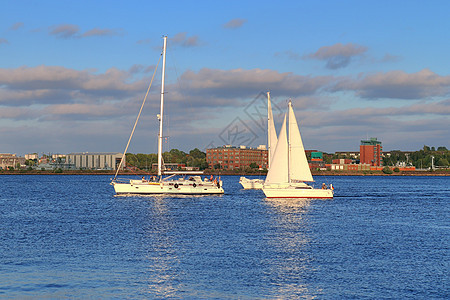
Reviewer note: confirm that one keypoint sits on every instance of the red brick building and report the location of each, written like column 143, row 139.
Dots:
column 370, row 152
column 230, row 158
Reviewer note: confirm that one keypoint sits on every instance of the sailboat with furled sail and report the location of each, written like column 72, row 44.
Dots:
column 289, row 170
column 179, row 183
column 271, row 141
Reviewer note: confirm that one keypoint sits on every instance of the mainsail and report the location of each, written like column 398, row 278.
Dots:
column 289, row 163
column 298, row 164
column 278, row 172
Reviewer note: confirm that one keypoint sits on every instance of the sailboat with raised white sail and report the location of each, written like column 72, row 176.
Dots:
column 185, row 183
column 271, row 141
column 289, row 170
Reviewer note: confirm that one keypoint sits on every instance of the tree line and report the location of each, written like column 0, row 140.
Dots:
column 421, row 159
column 195, row 158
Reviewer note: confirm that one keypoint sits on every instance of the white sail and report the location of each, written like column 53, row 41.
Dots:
column 289, row 169
column 278, row 173
column 298, row 164
column 272, row 138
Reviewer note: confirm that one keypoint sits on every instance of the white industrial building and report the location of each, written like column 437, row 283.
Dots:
column 94, row 160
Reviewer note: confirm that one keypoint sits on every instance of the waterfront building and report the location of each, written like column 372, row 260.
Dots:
column 230, row 158
column 347, row 154
column 316, row 156
column 94, row 160
column 8, row 160
column 370, row 152
column 32, row 156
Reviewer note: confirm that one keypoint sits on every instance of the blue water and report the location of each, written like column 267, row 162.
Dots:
column 70, row 237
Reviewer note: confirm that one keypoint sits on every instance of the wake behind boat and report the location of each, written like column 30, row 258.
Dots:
column 186, row 183
column 289, row 170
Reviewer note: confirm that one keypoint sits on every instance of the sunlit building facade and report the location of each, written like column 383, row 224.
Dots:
column 94, row 160
column 230, row 158
column 370, row 152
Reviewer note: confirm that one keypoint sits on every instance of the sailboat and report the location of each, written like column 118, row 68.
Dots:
column 271, row 141
column 289, row 170
column 179, row 183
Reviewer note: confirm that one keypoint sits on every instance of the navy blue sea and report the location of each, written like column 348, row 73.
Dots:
column 70, row 237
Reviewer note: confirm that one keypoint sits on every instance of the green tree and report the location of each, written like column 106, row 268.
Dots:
column 442, row 162
column 387, row 170
column 196, row 153
column 30, row 162
column 253, row 165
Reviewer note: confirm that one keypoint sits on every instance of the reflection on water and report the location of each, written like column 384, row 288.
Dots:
column 291, row 264
column 158, row 244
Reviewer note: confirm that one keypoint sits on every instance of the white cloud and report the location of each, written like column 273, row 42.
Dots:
column 102, row 32
column 42, row 84
column 244, row 83
column 398, row 85
column 182, row 39
column 16, row 26
column 205, row 101
column 338, row 55
column 235, row 23
column 67, row 31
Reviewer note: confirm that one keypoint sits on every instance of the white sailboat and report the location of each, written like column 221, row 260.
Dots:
column 186, row 183
column 271, row 141
column 289, row 169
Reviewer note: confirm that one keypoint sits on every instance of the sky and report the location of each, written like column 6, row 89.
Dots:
column 73, row 74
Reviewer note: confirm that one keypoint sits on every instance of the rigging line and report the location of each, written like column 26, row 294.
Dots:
column 137, row 119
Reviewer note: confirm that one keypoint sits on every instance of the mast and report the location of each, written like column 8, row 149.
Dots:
column 269, row 138
column 160, row 116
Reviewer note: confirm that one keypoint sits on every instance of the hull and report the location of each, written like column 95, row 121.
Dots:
column 297, row 192
column 249, row 184
column 140, row 187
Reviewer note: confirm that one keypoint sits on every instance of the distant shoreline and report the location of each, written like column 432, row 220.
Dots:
column 208, row 172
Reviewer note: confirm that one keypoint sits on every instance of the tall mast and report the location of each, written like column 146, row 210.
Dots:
column 161, row 114
column 268, row 128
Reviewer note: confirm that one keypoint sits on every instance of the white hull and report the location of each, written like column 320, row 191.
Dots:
column 249, row 184
column 297, row 191
column 180, row 187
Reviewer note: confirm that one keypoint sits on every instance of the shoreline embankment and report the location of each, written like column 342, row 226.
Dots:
column 445, row 172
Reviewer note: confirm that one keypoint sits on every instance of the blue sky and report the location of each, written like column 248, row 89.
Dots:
column 73, row 73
